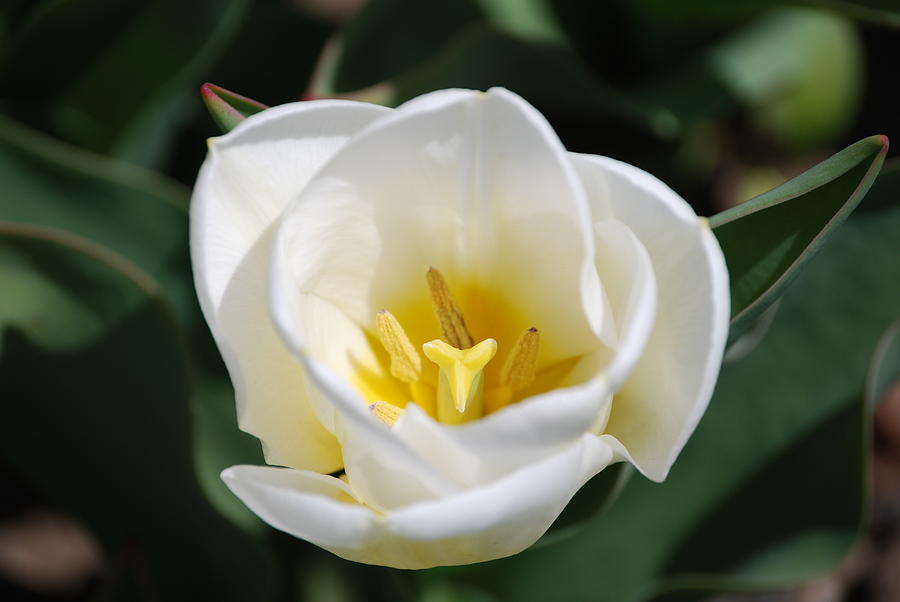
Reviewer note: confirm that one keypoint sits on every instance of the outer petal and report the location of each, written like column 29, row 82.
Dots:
column 473, row 183
column 480, row 524
column 666, row 394
column 244, row 185
column 306, row 504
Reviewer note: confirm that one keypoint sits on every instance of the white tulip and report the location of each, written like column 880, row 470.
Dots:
column 444, row 303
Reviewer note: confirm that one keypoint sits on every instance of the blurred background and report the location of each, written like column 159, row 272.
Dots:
column 116, row 414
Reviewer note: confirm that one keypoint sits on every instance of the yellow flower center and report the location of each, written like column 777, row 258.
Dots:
column 460, row 392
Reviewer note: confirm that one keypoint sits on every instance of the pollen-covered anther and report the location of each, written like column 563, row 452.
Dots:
column 453, row 326
column 406, row 364
column 518, row 371
column 521, row 363
column 386, row 412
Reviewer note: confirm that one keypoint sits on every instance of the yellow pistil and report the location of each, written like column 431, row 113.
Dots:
column 406, row 365
column 518, row 371
column 453, row 326
column 386, row 412
column 460, row 395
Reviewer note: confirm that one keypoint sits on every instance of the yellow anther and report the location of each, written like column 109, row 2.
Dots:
column 521, row 363
column 406, row 365
column 386, row 412
column 453, row 326
column 461, row 383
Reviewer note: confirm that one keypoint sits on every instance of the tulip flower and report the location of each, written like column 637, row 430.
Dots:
column 440, row 324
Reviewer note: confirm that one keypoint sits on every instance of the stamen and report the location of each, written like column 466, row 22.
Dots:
column 460, row 384
column 521, row 363
column 386, row 412
column 406, row 365
column 453, row 326
column 518, row 371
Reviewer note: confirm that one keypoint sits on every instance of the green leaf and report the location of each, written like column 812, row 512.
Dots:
column 877, row 12
column 799, row 72
column 219, row 444
column 98, row 420
column 550, row 77
column 117, row 79
column 228, row 108
column 592, row 500
column 527, row 19
column 140, row 217
column 366, row 56
column 135, row 212
column 796, row 73
column 768, row 239
column 770, row 489
column 273, row 54
column 472, row 44
column 884, row 371
column 885, row 193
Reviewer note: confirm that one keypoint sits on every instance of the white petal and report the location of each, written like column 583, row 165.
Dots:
column 475, row 184
column 306, row 504
column 383, row 470
column 244, row 185
column 511, row 513
column 483, row 523
column 626, row 271
column 667, row 392
column 336, row 341
column 535, row 428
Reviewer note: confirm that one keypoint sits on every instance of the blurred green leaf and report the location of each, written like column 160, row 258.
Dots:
column 592, row 500
column 135, row 212
column 449, row 592
column 770, row 489
column 884, row 371
column 364, row 56
column 768, row 239
column 886, row 190
column 634, row 41
column 124, row 80
column 142, row 218
column 274, row 52
column 102, row 430
column 477, row 50
column 471, row 44
column 415, row 31
column 550, row 77
column 879, row 12
column 533, row 20
column 228, row 108
column 796, row 72
column 799, row 71
column 479, row 56
column 745, row 343
column 219, row 444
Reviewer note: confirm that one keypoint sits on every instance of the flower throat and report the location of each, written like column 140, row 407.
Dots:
column 459, row 394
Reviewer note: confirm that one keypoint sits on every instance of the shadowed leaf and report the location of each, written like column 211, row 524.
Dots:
column 768, row 239
column 98, row 421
